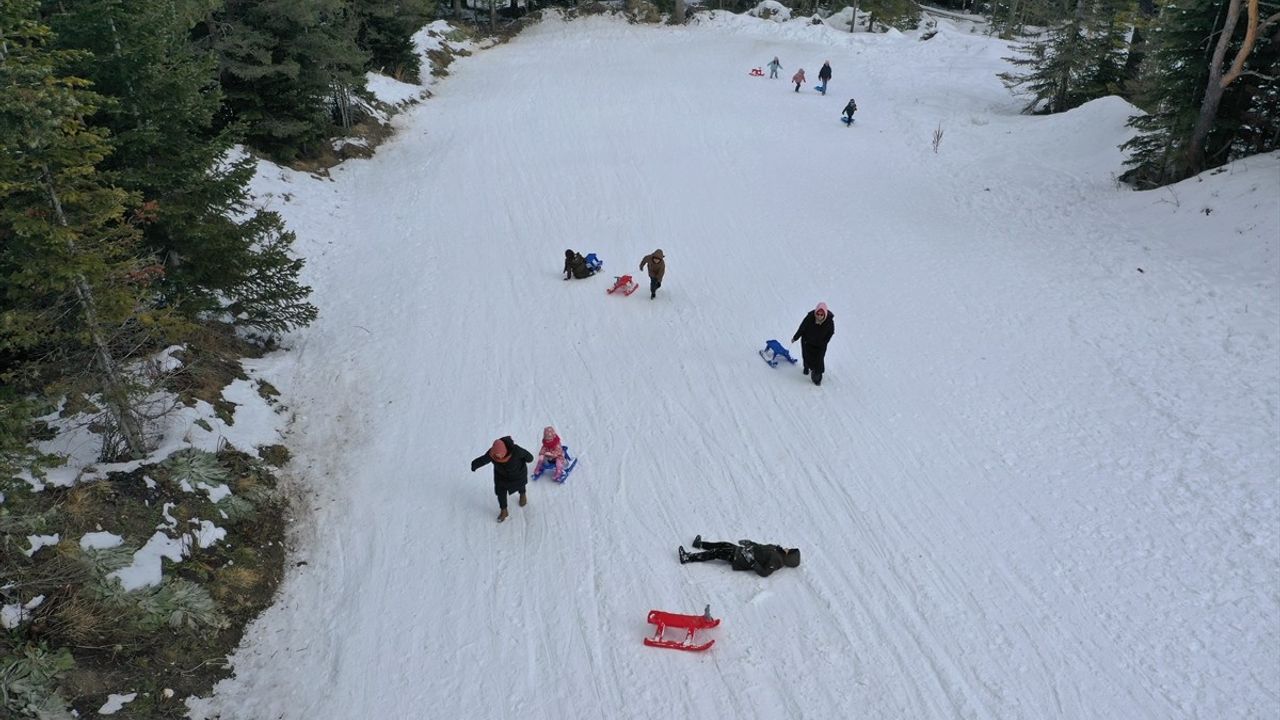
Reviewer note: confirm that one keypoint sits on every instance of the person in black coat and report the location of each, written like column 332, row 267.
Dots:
column 814, row 333
column 576, row 265
column 849, row 110
column 510, row 471
column 824, row 76
column 745, row 555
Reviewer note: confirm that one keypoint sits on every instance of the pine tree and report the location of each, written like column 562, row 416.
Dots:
column 1054, row 63
column 898, row 14
column 1256, row 103
column 1079, row 59
column 290, row 69
column 1009, row 18
column 1107, row 47
column 70, row 292
column 17, row 431
column 211, row 249
column 386, row 29
column 1176, row 73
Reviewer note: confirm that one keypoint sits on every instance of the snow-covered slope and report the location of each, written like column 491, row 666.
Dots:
column 1039, row 480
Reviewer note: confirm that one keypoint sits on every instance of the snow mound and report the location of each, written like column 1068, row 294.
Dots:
column 840, row 20
column 392, row 92
column 771, row 10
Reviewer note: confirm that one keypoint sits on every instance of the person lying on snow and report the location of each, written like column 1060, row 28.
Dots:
column 510, row 471
column 746, row 555
column 576, row 265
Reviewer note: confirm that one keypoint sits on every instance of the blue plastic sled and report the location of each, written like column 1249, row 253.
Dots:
column 774, row 351
column 570, row 462
column 848, row 121
column 594, row 264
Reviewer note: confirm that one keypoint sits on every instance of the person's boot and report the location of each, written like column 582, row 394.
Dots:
column 524, row 499
column 653, row 294
column 806, row 371
column 684, row 556
column 502, row 515
column 817, row 378
column 697, row 542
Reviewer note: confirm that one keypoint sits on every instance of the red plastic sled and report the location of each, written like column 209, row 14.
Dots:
column 757, row 72
column 688, row 623
column 623, row 284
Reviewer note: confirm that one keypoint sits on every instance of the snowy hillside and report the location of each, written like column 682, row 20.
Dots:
column 1038, row 481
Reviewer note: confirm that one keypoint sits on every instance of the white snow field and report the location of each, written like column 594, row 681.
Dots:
column 1039, row 480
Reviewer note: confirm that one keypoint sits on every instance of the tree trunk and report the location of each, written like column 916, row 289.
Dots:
column 114, row 388
column 1137, row 47
column 341, row 103
column 1010, row 19
column 853, row 20
column 678, row 13
column 457, row 8
column 1212, row 92
column 1218, row 81
column 1073, row 50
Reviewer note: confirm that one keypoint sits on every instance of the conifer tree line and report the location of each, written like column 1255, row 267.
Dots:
column 1204, row 73
column 125, row 219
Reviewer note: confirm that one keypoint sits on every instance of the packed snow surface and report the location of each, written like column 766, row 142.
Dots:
column 1038, row 481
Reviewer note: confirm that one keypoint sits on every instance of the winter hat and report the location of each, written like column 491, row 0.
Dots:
column 499, row 451
column 548, row 433
column 568, row 253
column 821, row 309
column 792, row 558
column 658, row 253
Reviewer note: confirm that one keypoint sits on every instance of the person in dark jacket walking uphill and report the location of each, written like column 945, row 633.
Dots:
column 814, row 333
column 824, row 76
column 746, row 555
column 657, row 268
column 849, row 110
column 510, row 471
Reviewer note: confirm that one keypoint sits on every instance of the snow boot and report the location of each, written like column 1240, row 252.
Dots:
column 524, row 499
column 502, row 515
column 684, row 556
column 806, row 371
column 817, row 378
column 697, row 542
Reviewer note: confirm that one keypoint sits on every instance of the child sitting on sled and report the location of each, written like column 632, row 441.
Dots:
column 551, row 452
column 576, row 265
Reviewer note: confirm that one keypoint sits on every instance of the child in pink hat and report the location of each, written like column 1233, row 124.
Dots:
column 814, row 333
column 552, row 451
